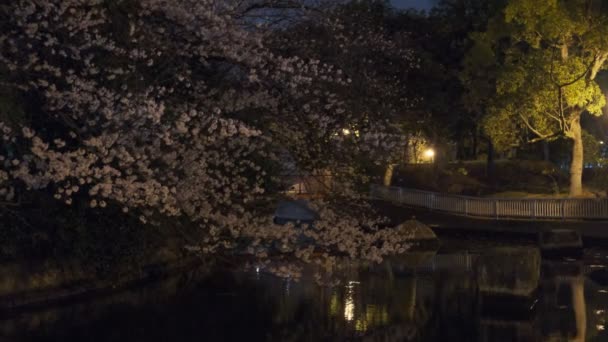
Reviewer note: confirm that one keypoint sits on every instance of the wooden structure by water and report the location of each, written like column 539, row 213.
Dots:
column 497, row 208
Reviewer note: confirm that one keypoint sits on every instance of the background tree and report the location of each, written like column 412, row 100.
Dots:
column 442, row 39
column 547, row 56
column 375, row 62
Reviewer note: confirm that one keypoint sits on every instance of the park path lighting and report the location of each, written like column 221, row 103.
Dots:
column 429, row 154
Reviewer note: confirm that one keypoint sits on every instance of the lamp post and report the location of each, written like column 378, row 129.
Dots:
column 430, row 154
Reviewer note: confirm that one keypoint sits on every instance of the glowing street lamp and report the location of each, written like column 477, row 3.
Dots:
column 429, row 154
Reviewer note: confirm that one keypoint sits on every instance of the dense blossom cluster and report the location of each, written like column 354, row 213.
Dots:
column 171, row 109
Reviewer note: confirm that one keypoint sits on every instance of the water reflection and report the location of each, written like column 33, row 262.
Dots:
column 349, row 303
column 479, row 294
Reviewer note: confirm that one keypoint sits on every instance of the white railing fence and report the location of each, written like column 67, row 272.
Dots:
column 533, row 208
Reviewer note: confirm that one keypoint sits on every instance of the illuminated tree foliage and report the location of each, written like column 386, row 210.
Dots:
column 173, row 109
column 541, row 60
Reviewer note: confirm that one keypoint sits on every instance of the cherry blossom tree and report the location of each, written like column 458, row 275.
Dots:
column 175, row 109
column 376, row 61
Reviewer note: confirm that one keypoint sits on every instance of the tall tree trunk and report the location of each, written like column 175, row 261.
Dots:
column 388, row 174
column 490, row 163
column 576, row 166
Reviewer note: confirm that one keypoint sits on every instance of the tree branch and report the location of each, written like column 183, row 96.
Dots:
column 597, row 64
column 580, row 77
column 535, row 140
column 561, row 108
column 554, row 117
column 534, row 130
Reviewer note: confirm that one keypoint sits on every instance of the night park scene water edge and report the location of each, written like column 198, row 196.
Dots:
column 304, row 170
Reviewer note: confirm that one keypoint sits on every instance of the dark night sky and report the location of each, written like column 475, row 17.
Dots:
column 418, row 4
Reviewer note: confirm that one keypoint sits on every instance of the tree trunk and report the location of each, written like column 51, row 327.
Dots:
column 576, row 166
column 388, row 174
column 441, row 157
column 460, row 151
column 474, row 148
column 490, row 163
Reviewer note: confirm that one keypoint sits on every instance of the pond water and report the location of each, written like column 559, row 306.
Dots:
column 467, row 291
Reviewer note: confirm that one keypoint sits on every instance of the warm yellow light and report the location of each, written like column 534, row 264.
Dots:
column 349, row 301
column 345, row 131
column 349, row 309
column 430, row 153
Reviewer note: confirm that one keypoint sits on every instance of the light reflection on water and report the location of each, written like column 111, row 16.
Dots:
column 487, row 294
column 349, row 302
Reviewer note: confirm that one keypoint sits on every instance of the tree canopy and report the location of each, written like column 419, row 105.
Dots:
column 540, row 62
column 177, row 109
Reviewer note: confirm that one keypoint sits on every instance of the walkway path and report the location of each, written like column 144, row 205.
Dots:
column 595, row 232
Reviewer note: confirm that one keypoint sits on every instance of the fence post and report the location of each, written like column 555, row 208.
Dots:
column 534, row 209
column 496, row 209
column 466, row 207
column 563, row 209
